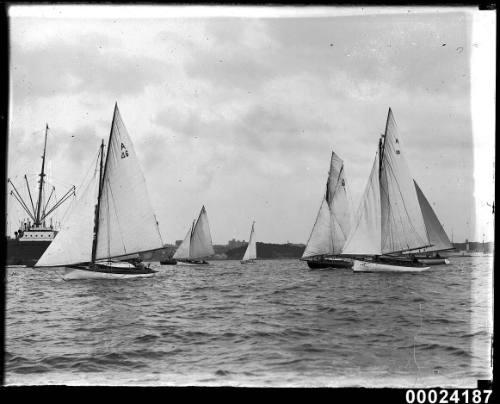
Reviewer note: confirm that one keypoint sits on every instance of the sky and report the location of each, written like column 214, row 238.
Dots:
column 238, row 109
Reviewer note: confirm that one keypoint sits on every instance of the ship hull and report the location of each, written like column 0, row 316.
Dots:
column 247, row 262
column 191, row 262
column 25, row 252
column 329, row 263
column 118, row 270
column 380, row 266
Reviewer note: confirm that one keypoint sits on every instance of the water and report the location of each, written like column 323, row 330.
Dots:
column 274, row 323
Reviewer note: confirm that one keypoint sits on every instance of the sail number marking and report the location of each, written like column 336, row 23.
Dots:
column 124, row 151
column 444, row 396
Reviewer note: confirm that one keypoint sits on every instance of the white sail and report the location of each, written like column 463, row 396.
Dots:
column 73, row 242
column 127, row 223
column 183, row 250
column 365, row 235
column 336, row 196
column 437, row 236
column 403, row 225
column 251, row 251
column 320, row 241
column 333, row 222
column 201, row 240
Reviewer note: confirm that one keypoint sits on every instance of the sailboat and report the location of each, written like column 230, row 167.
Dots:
column 435, row 232
column 196, row 246
column 102, row 240
column 389, row 220
column 251, row 252
column 333, row 222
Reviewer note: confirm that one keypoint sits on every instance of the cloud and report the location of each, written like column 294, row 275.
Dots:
column 241, row 114
column 90, row 65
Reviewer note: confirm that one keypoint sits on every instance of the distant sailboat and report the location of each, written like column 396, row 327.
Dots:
column 123, row 220
column 251, row 252
column 389, row 219
column 333, row 222
column 196, row 246
column 435, row 232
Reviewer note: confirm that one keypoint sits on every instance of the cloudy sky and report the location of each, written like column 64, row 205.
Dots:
column 241, row 113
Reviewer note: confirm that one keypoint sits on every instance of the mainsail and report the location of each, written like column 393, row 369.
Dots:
column 389, row 218
column 333, row 221
column 201, row 240
column 403, row 226
column 198, row 241
column 251, row 251
column 437, row 235
column 127, row 223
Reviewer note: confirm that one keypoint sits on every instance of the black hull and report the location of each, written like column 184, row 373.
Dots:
column 323, row 264
column 195, row 262
column 113, row 270
column 169, row 261
column 25, row 252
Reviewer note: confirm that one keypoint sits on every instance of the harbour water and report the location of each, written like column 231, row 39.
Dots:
column 273, row 323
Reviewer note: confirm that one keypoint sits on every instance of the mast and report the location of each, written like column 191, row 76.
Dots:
column 381, row 143
column 42, row 174
column 96, row 212
column 102, row 173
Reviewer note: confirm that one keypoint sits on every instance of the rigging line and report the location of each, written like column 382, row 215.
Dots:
column 117, row 218
column 29, row 192
column 48, row 200
column 404, row 205
column 59, row 203
column 359, row 212
column 315, row 222
column 394, row 177
column 22, row 205
column 19, row 198
column 338, row 222
column 393, row 220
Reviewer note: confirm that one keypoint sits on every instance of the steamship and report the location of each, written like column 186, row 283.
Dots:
column 37, row 230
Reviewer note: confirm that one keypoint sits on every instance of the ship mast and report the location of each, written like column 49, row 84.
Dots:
column 102, row 173
column 39, row 213
column 42, row 174
column 96, row 213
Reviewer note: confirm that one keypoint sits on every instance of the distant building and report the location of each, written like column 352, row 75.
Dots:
column 236, row 243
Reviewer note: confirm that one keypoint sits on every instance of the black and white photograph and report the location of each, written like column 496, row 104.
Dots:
column 250, row 196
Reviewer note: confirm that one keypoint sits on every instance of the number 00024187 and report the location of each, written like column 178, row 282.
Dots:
column 446, row 396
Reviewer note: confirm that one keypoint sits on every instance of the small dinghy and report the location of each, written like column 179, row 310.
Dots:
column 251, row 252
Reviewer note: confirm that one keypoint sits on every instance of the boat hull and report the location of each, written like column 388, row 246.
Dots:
column 191, row 262
column 120, row 270
column 247, row 262
column 378, row 266
column 434, row 261
column 332, row 263
column 170, row 261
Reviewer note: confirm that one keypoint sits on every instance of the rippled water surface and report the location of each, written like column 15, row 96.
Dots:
column 274, row 323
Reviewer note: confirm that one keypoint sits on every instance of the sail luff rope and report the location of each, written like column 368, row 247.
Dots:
column 359, row 211
column 389, row 165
